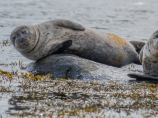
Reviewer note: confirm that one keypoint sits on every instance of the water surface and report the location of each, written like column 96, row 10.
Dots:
column 132, row 20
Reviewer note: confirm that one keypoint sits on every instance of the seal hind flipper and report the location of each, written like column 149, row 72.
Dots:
column 65, row 45
column 141, row 77
column 138, row 45
column 69, row 24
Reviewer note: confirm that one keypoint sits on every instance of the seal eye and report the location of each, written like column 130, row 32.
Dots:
column 13, row 39
column 156, row 36
column 24, row 32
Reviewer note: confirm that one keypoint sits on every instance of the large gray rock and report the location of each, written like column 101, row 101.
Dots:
column 74, row 67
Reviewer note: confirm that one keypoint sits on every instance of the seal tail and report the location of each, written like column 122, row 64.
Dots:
column 138, row 45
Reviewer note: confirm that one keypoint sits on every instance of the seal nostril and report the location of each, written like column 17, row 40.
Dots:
column 156, row 36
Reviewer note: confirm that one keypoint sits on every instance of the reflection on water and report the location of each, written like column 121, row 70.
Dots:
column 20, row 96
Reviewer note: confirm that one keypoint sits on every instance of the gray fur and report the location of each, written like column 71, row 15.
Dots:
column 149, row 58
column 86, row 43
column 149, row 55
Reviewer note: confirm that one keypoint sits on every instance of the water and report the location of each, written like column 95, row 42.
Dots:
column 132, row 20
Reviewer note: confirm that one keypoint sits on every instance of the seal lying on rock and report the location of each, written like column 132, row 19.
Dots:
column 58, row 36
column 74, row 67
column 149, row 59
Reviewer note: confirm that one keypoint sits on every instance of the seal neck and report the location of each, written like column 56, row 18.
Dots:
column 36, row 33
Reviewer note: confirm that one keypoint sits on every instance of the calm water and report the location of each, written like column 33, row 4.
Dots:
column 132, row 20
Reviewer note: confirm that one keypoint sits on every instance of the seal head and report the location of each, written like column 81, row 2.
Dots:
column 154, row 40
column 24, row 38
column 34, row 44
column 150, row 49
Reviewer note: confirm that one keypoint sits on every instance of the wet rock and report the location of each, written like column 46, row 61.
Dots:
column 74, row 67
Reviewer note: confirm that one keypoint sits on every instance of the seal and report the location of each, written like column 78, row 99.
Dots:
column 149, row 55
column 74, row 67
column 64, row 36
column 149, row 58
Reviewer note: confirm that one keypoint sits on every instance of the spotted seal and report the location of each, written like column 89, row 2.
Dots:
column 149, row 58
column 64, row 36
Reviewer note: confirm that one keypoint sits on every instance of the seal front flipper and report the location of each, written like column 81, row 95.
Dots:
column 138, row 45
column 65, row 45
column 141, row 77
column 69, row 24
